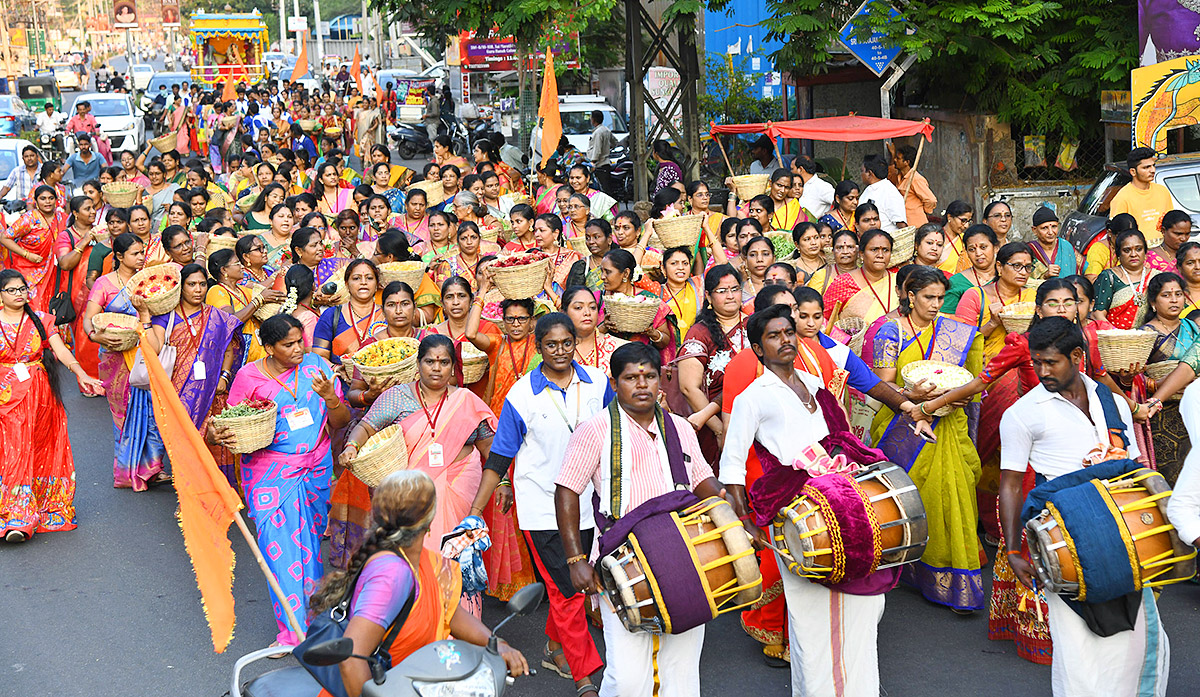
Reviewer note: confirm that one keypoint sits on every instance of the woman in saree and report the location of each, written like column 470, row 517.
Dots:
column 415, row 221
column 393, row 246
column 380, row 173
column 578, row 212
column 617, row 270
column 394, row 563
column 378, row 219
column 548, row 234
column 448, row 431
column 1053, row 256
column 331, row 197
column 162, row 192
column 344, row 329
column 807, row 259
column 699, row 200
column 36, row 465
column 1176, row 228
column 139, row 451
column 287, row 483
column 597, row 235
column 178, row 214
column 133, row 173
column 865, row 292
column 94, row 191
column 140, row 224
column 277, row 238
column 72, row 249
column 668, row 171
column 1121, row 290
column 998, row 216
column 259, row 215
column 522, row 217
column 549, row 178
column 1187, row 263
column 628, row 235
column 929, row 241
column 760, row 255
column 579, row 178
column 788, row 211
column 252, row 252
column 30, row 244
column 400, row 313
column 845, row 259
column 958, row 217
column 441, row 237
column 1175, row 336
column 845, row 201
column 681, row 291
column 944, row 472
column 458, row 299
column 510, row 179
column 443, row 153
column 591, row 347
column 464, row 260
column 979, row 244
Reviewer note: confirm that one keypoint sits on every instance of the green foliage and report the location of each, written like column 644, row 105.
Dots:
column 728, row 95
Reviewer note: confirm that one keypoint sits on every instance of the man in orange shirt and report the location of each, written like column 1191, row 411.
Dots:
column 1142, row 198
column 919, row 200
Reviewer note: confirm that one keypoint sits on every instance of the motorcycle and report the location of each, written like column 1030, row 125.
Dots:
column 621, row 176
column 448, row 668
column 411, row 140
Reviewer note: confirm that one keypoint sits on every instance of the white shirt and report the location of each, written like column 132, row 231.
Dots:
column 1184, row 507
column 771, row 413
column 757, row 167
column 889, row 201
column 48, row 123
column 817, row 196
column 1045, row 431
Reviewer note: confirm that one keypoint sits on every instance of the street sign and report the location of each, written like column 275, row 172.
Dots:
column 871, row 52
column 297, row 23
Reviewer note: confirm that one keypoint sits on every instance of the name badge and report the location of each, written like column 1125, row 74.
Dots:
column 436, row 459
column 21, row 371
column 301, row 418
column 198, row 371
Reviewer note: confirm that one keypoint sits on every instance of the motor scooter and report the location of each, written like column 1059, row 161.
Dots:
column 448, row 668
column 411, row 140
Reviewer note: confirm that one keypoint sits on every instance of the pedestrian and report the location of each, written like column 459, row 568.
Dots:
column 433, row 112
column 1143, row 198
column 919, row 200
column 72, row 249
column 600, row 145
column 30, row 244
column 1053, row 256
column 817, row 195
column 883, row 193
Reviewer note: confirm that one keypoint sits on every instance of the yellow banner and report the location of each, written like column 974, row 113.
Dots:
column 1165, row 96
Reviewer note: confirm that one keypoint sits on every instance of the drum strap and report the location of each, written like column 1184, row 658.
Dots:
column 1112, row 417
column 675, row 456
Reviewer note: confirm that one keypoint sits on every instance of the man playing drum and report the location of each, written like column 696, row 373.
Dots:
column 651, row 447
column 1066, row 423
column 788, row 416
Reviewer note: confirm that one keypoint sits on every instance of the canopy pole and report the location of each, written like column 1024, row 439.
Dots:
column 845, row 155
column 778, row 157
column 717, row 137
column 916, row 161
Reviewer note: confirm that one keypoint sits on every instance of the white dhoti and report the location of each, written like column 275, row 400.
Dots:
column 639, row 664
column 1127, row 664
column 833, row 639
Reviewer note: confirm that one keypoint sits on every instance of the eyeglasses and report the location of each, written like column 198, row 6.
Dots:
column 258, row 248
column 17, row 290
column 965, row 219
column 1000, row 216
column 1061, row 305
column 726, row 291
column 517, row 320
column 1020, row 267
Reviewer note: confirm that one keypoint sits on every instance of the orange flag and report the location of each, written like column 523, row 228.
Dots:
column 301, row 62
column 207, row 504
column 548, row 110
column 356, row 69
column 229, row 93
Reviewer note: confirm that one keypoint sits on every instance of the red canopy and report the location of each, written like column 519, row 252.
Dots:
column 850, row 128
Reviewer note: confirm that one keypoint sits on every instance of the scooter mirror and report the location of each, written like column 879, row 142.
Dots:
column 527, row 599
column 329, row 653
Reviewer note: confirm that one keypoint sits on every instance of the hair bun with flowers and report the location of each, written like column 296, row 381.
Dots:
column 290, row 303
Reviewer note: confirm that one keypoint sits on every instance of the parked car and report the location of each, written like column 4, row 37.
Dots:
column 1179, row 173
column 37, row 90
column 10, row 159
column 118, row 119
column 140, row 75
column 576, row 111
column 67, row 76
column 15, row 116
column 167, row 79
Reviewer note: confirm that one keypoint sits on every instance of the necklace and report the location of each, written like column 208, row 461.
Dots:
column 241, row 293
column 518, row 371
column 354, row 322
column 595, row 362
column 1139, row 288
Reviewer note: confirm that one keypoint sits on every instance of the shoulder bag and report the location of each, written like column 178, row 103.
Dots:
column 139, row 376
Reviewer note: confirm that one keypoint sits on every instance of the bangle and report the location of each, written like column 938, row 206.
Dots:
column 1154, row 401
column 576, row 558
column 334, row 407
column 1136, row 408
column 922, row 408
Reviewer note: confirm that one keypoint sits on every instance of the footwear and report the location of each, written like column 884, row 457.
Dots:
column 776, row 655
column 160, row 479
column 15, row 537
column 550, row 662
column 585, row 688
column 281, row 654
column 962, row 612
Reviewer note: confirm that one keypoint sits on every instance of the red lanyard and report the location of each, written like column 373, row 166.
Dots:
column 513, row 358
column 241, row 294
column 917, row 338
column 871, row 287
column 294, row 390
column 16, row 335
column 437, row 411
column 354, row 323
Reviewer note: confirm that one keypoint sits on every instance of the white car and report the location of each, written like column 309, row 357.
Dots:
column 576, row 112
column 117, row 119
column 10, row 159
column 140, row 75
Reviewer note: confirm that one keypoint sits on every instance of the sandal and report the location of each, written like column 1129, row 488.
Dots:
column 15, row 537
column 550, row 662
column 585, row 688
column 160, row 479
column 776, row 655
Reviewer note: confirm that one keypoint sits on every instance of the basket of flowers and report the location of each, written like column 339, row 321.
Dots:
column 388, row 362
column 410, row 272
column 251, row 422
column 1017, row 316
column 521, row 275
column 679, row 231
column 633, row 314
column 383, row 453
column 119, row 326
column 120, row 194
column 164, row 143
column 943, row 376
column 474, row 363
column 434, row 193
column 159, row 286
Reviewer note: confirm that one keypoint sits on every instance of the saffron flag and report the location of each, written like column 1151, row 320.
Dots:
column 548, row 111
column 356, row 70
column 229, row 92
column 207, row 504
column 301, row 62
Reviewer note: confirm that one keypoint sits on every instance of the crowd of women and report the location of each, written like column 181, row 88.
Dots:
column 279, row 226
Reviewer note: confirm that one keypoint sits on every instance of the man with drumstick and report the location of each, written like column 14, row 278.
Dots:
column 652, row 446
column 1066, row 423
column 792, row 421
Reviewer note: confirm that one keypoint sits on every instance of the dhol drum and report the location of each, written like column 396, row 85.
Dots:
column 1101, row 539
column 844, row 527
column 681, row 569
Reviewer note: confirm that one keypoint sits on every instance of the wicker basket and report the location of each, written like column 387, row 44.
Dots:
column 383, row 453
column 342, row 295
column 489, row 234
column 245, row 203
column 434, row 194
column 781, row 243
column 1159, row 372
column 856, row 329
column 250, row 433
column 681, row 231
column 519, row 282
column 948, row 377
column 333, row 132
column 628, row 315
column 1016, row 317
column 474, row 364
column 267, row 310
column 747, row 186
column 120, row 194
column 385, row 376
column 310, row 125
column 410, row 272
column 165, row 299
column 120, row 326
column 164, row 143
column 904, row 245
column 219, row 242
column 1121, row 348
column 228, row 122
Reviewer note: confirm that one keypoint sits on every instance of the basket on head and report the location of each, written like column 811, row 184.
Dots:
column 250, row 433
column 434, row 193
column 310, row 125
column 944, row 376
column 383, row 453
column 119, row 326
column 228, row 122
column 159, row 285
column 219, row 242
column 904, row 245
column 680, row 231
column 120, row 194
column 579, row 244
column 410, row 272
column 245, row 203
column 748, row 186
column 164, row 143
column 626, row 314
column 398, row 356
column 856, row 329
column 333, row 132
column 474, row 363
column 523, row 281
column 1017, row 316
column 1121, row 348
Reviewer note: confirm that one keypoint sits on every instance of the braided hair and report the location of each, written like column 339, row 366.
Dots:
column 49, row 360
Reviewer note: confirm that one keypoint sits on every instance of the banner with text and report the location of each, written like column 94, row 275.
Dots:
column 491, row 53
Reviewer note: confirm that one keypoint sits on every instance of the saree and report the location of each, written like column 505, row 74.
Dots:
column 663, row 321
column 199, row 339
column 945, row 472
column 138, row 446
column 37, row 236
column 1064, row 256
column 1015, row 613
column 836, row 222
column 342, row 337
column 845, row 298
column 960, row 283
column 238, row 297
column 1124, row 301
column 444, row 268
column 686, row 303
column 788, row 215
column 286, row 484
column 1171, row 441
column 86, row 351
column 158, row 204
column 37, row 470
column 546, row 201
column 1159, row 261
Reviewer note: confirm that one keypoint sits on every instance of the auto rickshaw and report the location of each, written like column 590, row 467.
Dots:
column 37, row 90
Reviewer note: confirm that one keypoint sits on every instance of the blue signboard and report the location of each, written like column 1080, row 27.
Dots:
column 871, row 52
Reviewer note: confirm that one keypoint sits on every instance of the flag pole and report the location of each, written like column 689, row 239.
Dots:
column 271, row 580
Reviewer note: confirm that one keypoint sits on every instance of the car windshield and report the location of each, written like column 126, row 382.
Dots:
column 33, row 91
column 167, row 80
column 143, row 69
column 577, row 123
column 1099, row 197
column 110, row 107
